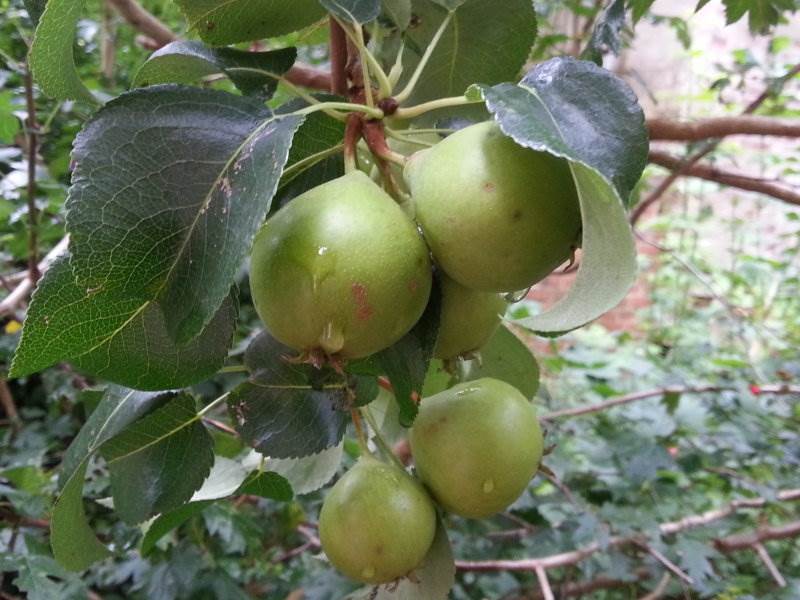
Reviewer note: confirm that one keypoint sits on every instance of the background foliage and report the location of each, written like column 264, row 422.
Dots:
column 723, row 320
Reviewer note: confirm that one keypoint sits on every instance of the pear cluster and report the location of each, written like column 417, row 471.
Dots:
column 475, row 446
column 345, row 271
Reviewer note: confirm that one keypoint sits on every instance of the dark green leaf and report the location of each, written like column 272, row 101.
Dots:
column 52, row 58
column 221, row 23
column 360, row 11
column 315, row 156
column 506, row 358
column 267, row 485
column 469, row 51
column 157, row 463
column 606, row 35
column 118, row 408
column 583, row 113
column 189, row 61
column 120, row 339
column 35, row 9
column 577, row 110
column 406, row 362
column 170, row 185
column 165, row 523
column 73, row 541
column 285, row 409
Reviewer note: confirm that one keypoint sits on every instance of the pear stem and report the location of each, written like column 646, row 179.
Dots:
column 385, row 449
column 420, row 109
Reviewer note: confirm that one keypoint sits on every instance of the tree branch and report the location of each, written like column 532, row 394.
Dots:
column 670, row 528
column 9, row 407
column 703, row 151
column 628, row 398
column 729, row 178
column 143, row 21
column 670, row 129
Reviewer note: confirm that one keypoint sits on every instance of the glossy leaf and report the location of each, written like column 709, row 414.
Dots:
column 52, row 57
column 286, row 409
column 359, row 11
column 469, row 51
column 507, row 358
column 169, row 187
column 74, row 544
column 221, row 23
column 189, row 61
column 578, row 111
column 158, row 462
column 121, row 339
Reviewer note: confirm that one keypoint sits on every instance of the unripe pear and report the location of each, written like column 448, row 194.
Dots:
column 476, row 446
column 498, row 217
column 468, row 319
column 377, row 523
column 340, row 268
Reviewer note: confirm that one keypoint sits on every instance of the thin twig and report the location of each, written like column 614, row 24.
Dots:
column 544, row 583
column 9, row 407
column 671, row 566
column 762, row 553
column 660, row 588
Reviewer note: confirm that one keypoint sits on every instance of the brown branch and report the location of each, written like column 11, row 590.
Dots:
column 145, row 22
column 659, row 590
column 670, row 528
column 751, row 539
column 308, row 76
column 338, row 51
column 778, row 389
column 670, row 129
column 544, row 583
column 670, row 566
column 704, row 150
column 9, row 407
column 729, row 178
column 762, row 553
column 581, row 588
